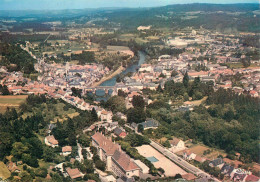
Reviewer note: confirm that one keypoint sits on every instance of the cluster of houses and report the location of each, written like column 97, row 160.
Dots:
column 229, row 168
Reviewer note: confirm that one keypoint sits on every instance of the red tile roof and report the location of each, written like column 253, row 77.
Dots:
column 73, row 173
column 52, row 140
column 124, row 161
column 107, row 145
column 67, row 149
column 189, row 176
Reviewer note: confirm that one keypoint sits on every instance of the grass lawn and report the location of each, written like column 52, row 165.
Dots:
column 4, row 172
column 11, row 101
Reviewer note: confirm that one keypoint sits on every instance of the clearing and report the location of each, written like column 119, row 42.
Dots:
column 199, row 149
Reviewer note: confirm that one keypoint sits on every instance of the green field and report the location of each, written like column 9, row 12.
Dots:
column 4, row 172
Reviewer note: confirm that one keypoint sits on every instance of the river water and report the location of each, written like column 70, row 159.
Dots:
column 100, row 93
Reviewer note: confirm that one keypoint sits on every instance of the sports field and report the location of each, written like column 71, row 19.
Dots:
column 159, row 160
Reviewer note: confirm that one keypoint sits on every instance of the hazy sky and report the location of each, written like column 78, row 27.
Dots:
column 79, row 4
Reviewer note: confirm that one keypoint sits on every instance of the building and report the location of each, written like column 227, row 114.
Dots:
column 150, row 123
column 217, row 163
column 189, row 177
column 142, row 166
column 120, row 132
column 116, row 160
column 123, row 165
column 13, row 168
column 188, row 155
column 66, row 150
column 51, row 141
column 74, row 173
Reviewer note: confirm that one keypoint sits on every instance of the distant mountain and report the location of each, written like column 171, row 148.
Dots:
column 220, row 17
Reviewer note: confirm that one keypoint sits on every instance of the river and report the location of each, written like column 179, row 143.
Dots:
column 129, row 69
column 100, row 93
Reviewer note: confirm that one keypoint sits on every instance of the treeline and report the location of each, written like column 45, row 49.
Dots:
column 16, row 59
column 4, row 90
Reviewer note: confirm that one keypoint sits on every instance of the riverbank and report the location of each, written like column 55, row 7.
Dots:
column 108, row 77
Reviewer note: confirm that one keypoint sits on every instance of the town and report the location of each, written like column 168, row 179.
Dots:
column 127, row 112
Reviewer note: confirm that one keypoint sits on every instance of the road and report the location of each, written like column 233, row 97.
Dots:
column 177, row 160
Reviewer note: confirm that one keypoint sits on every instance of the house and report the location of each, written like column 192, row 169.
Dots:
column 119, row 132
column 188, row 155
column 12, row 167
column 217, row 163
column 51, row 141
column 143, row 168
column 150, row 123
column 66, row 150
column 74, row 173
column 121, row 116
column 189, row 177
column 106, row 116
column 252, row 178
column 177, row 143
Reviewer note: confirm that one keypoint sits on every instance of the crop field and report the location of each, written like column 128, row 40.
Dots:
column 11, row 101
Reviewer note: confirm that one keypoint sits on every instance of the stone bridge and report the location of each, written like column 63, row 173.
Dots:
column 105, row 88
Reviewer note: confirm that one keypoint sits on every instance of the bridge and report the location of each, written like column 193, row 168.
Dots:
column 105, row 88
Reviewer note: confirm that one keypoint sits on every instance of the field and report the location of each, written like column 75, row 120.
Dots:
column 199, row 149
column 4, row 172
column 11, row 101
column 169, row 167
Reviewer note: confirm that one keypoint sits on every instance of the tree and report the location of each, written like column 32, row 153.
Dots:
column 140, row 128
column 246, row 62
column 100, row 165
column 185, row 80
column 48, row 154
column 135, row 115
column 177, row 176
column 174, row 73
column 121, row 93
column 138, row 101
column 94, row 115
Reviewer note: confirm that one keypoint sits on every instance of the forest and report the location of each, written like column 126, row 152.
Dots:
column 16, row 59
column 229, row 122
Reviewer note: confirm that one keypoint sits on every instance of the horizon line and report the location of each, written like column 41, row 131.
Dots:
column 94, row 8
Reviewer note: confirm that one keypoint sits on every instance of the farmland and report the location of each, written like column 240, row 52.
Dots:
column 12, row 101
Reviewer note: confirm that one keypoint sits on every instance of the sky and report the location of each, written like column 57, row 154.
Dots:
column 80, row 4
